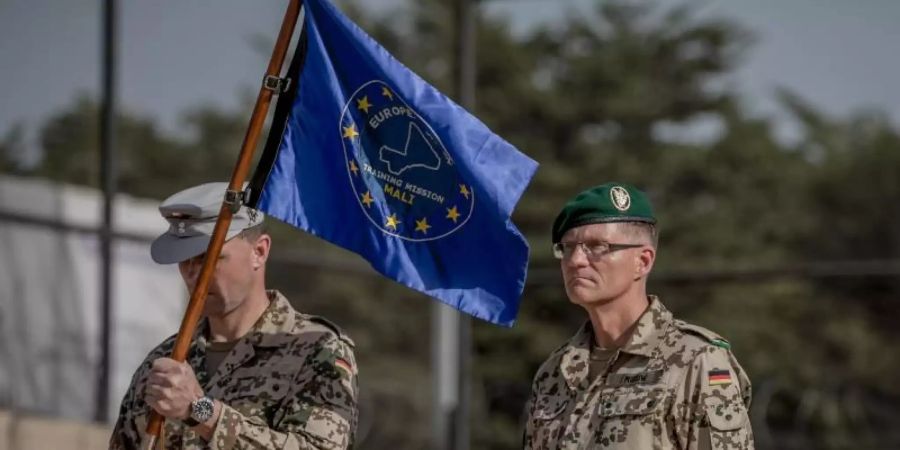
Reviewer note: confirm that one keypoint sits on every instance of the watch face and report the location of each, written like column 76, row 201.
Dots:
column 202, row 409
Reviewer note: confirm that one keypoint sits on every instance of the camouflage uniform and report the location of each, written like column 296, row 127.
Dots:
column 671, row 386
column 290, row 383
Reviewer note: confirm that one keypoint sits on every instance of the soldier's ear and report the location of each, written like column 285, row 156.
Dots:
column 644, row 262
column 261, row 250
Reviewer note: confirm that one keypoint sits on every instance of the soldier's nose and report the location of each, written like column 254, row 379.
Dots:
column 578, row 258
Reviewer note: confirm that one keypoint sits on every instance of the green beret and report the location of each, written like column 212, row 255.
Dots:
column 610, row 202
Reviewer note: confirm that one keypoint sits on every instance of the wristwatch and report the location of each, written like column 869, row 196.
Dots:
column 201, row 411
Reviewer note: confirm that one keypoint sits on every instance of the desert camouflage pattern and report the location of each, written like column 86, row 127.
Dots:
column 655, row 392
column 290, row 383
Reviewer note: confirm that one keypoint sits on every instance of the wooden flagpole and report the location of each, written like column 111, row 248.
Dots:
column 232, row 201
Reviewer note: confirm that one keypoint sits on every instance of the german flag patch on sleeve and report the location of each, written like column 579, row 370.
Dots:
column 719, row 377
column 344, row 367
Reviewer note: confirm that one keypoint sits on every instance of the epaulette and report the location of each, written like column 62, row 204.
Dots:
column 707, row 335
column 333, row 327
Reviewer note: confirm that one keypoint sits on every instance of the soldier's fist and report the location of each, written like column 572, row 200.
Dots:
column 171, row 387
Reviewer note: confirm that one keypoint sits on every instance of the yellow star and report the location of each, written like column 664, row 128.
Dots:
column 363, row 104
column 464, row 191
column 353, row 167
column 387, row 92
column 350, row 132
column 392, row 221
column 452, row 214
column 422, row 225
column 367, row 199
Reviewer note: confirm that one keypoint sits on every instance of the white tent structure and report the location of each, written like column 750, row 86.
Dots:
column 50, row 296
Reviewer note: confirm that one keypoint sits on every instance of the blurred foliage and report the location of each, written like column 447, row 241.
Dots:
column 760, row 237
column 11, row 146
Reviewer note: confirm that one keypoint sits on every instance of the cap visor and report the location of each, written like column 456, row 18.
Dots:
column 169, row 249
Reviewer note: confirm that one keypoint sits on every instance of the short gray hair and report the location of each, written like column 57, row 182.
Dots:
column 641, row 230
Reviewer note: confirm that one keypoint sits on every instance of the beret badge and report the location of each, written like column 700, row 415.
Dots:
column 621, row 200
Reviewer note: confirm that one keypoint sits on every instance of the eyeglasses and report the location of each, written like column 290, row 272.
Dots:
column 592, row 250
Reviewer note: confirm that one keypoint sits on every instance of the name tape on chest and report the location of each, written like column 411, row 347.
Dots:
column 628, row 379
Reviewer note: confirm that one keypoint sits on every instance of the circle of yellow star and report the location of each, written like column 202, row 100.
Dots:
column 367, row 199
column 452, row 214
column 353, row 167
column 363, row 104
column 422, row 225
column 464, row 191
column 350, row 132
column 387, row 92
column 392, row 221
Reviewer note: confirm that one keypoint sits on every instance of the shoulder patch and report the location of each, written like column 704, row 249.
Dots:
column 333, row 327
column 707, row 335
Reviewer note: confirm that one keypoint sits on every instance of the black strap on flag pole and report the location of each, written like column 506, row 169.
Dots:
column 283, row 108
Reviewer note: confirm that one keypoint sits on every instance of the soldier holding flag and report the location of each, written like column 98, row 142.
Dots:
column 259, row 373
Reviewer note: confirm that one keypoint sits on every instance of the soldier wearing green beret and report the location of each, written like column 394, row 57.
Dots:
column 259, row 374
column 633, row 376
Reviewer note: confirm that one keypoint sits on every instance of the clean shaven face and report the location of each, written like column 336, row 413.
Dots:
column 601, row 278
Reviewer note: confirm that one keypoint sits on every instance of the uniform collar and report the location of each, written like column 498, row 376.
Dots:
column 275, row 324
column 270, row 329
column 575, row 362
column 649, row 330
column 644, row 341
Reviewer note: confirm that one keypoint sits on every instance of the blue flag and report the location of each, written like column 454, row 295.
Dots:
column 372, row 158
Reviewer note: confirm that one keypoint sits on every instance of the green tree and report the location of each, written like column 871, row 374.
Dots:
column 146, row 160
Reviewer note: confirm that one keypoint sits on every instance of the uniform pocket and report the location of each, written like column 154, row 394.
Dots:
column 327, row 426
column 549, row 408
column 547, row 422
column 725, row 415
column 255, row 396
column 633, row 401
column 729, row 423
column 258, row 387
column 632, row 414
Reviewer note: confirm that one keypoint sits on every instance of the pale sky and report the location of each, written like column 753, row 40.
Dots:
column 839, row 54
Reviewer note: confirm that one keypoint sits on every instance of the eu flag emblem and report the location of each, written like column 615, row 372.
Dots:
column 403, row 176
column 367, row 155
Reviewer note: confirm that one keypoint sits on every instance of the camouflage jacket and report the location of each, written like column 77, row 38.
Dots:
column 290, row 383
column 671, row 386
